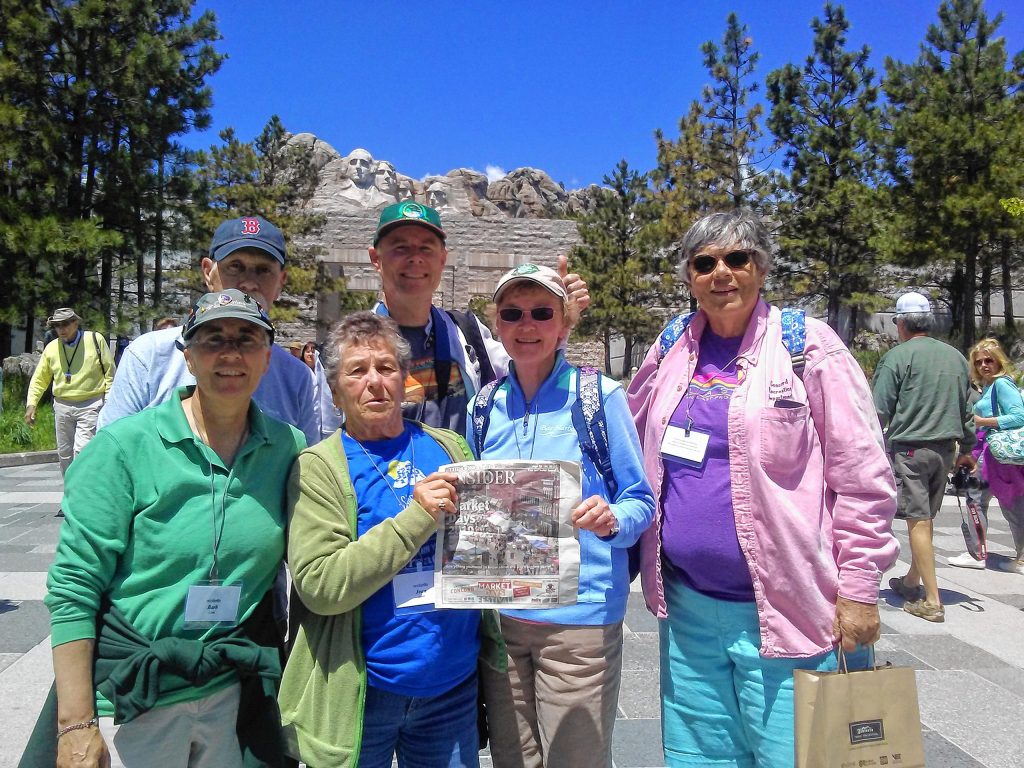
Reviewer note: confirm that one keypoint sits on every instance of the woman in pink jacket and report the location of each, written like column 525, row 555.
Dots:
column 775, row 500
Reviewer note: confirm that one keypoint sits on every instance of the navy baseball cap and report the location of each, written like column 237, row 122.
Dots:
column 247, row 232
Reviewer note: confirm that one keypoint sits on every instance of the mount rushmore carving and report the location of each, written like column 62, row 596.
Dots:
column 358, row 181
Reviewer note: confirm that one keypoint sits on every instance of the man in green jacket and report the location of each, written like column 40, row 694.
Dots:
column 921, row 390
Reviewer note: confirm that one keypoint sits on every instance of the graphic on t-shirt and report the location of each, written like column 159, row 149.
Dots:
column 421, row 383
column 715, row 385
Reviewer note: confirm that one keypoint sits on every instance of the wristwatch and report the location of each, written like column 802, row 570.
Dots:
column 614, row 531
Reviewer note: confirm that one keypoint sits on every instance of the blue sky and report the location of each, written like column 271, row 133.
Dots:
column 568, row 87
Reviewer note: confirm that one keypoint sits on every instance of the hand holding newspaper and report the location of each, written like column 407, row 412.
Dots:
column 511, row 543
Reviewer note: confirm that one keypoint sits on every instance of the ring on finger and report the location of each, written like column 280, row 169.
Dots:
column 441, row 504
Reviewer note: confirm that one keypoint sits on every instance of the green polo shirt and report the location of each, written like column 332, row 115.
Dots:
column 141, row 515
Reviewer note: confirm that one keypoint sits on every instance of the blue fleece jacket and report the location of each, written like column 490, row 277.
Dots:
column 550, row 434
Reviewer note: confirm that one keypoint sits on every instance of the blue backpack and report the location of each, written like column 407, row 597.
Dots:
column 587, row 417
column 794, row 335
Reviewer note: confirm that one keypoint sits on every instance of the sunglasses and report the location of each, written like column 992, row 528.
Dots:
column 705, row 265
column 246, row 345
column 514, row 315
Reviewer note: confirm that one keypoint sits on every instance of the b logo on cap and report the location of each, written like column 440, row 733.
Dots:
column 250, row 226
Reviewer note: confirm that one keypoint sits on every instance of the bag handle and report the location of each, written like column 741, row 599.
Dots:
column 842, row 667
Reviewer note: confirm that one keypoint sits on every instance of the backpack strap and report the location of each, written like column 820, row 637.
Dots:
column 467, row 323
column 794, row 335
column 671, row 334
column 99, row 357
column 482, row 404
column 591, row 426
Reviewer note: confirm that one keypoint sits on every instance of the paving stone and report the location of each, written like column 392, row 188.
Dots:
column 6, row 659
column 27, row 561
column 899, row 658
column 975, row 715
column 944, row 652
column 638, row 618
column 637, row 744
column 24, row 625
column 639, row 696
column 641, row 652
column 1008, row 678
column 941, row 753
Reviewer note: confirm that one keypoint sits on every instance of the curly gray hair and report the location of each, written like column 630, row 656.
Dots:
column 739, row 229
column 362, row 328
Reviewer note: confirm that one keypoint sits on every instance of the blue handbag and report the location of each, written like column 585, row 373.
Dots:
column 1006, row 445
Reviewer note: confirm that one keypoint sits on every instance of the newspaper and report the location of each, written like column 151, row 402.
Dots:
column 511, row 543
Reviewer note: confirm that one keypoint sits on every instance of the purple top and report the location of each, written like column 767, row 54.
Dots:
column 698, row 531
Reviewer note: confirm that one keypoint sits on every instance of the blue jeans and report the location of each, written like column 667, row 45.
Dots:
column 722, row 704
column 426, row 732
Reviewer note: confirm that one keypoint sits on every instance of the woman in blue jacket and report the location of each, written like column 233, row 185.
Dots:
column 556, row 706
column 992, row 370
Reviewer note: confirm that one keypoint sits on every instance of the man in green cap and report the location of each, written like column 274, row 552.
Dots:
column 453, row 354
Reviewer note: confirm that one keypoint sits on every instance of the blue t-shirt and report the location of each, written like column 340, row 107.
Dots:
column 411, row 654
column 698, row 530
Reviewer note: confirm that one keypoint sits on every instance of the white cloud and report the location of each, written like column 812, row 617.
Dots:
column 494, row 172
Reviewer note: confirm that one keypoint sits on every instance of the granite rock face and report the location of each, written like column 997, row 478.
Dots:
column 358, row 181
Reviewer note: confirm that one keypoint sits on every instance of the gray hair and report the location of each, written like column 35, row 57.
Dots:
column 917, row 322
column 727, row 229
column 362, row 328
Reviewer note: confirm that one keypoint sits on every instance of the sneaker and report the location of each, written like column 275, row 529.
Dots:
column 925, row 610
column 966, row 560
column 907, row 593
column 1018, row 566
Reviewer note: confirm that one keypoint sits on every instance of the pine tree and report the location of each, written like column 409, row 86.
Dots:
column 822, row 115
column 617, row 257
column 715, row 163
column 953, row 147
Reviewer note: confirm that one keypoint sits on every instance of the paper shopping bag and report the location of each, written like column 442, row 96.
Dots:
column 867, row 718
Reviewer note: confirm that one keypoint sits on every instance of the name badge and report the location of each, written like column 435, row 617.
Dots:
column 212, row 604
column 414, row 592
column 689, row 447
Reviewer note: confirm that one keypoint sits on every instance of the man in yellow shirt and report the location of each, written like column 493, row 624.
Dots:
column 80, row 367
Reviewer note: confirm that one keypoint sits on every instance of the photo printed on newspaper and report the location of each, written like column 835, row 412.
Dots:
column 511, row 543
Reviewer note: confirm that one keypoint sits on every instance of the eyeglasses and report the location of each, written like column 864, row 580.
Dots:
column 984, row 361
column 705, row 265
column 216, row 344
column 514, row 315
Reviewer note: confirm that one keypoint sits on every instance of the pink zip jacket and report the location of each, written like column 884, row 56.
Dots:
column 812, row 490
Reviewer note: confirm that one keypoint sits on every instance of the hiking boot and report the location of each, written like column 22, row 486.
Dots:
column 925, row 610
column 966, row 560
column 910, row 594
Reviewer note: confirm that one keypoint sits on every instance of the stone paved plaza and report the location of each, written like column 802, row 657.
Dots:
column 970, row 669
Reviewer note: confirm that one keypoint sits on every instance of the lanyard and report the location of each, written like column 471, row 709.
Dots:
column 78, row 344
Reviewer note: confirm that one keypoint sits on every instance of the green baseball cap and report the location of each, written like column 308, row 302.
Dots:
column 227, row 303
column 408, row 212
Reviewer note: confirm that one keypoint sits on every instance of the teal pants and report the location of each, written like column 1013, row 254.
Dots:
column 722, row 704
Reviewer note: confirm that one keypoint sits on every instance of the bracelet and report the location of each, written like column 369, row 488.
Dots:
column 77, row 727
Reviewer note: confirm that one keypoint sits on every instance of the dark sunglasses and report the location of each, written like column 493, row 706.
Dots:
column 705, row 265
column 514, row 315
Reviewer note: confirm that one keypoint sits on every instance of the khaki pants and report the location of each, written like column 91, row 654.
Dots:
column 75, row 425
column 193, row 734
column 556, row 706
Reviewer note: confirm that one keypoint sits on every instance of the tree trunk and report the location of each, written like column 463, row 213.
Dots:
column 627, row 357
column 607, row 349
column 986, row 295
column 158, row 236
column 1004, row 264
column 970, row 275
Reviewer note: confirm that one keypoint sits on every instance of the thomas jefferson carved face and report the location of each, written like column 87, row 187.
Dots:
column 437, row 195
column 385, row 178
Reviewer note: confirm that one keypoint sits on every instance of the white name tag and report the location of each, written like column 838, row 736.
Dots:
column 212, row 604
column 414, row 592
column 688, row 447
